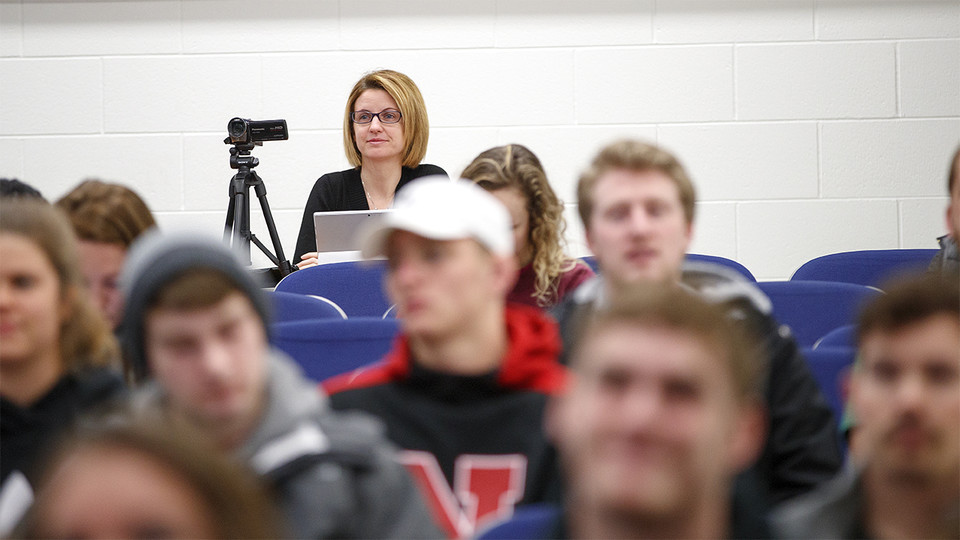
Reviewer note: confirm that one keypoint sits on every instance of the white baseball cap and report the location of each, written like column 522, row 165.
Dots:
column 440, row 209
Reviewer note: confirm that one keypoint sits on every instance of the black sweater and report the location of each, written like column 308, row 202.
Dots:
column 27, row 432
column 343, row 191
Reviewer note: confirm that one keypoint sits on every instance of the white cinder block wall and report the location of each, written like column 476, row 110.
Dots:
column 809, row 126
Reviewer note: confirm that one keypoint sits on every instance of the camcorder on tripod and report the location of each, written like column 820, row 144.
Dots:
column 244, row 135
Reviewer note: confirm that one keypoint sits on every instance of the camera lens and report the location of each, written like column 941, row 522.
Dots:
column 237, row 127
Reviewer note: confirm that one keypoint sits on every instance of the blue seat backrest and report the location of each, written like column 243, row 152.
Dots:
column 295, row 307
column 528, row 522
column 327, row 347
column 845, row 336
column 831, row 367
column 868, row 267
column 723, row 261
column 357, row 287
column 813, row 308
column 591, row 261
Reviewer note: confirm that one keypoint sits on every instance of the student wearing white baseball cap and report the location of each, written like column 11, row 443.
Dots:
column 441, row 209
column 464, row 388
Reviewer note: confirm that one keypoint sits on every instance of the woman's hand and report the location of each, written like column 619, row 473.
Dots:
column 307, row 260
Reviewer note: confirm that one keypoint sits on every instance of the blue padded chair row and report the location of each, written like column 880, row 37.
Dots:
column 845, row 336
column 355, row 286
column 813, row 308
column 868, row 267
column 296, row 307
column 722, row 261
column 327, row 347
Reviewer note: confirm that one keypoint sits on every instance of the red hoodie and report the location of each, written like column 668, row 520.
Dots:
column 530, row 363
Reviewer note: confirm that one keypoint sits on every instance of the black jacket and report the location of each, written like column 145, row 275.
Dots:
column 475, row 443
column 343, row 191
column 27, row 432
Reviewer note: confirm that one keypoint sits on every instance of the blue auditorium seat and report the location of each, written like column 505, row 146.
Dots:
column 723, row 261
column 327, row 347
column 868, row 267
column 528, row 522
column 831, row 367
column 813, row 308
column 296, row 307
column 591, row 261
column 714, row 259
column 355, row 286
column 845, row 336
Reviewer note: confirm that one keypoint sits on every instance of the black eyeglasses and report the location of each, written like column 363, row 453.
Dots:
column 386, row 116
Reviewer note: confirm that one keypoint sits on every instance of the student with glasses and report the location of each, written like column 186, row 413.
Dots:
column 385, row 132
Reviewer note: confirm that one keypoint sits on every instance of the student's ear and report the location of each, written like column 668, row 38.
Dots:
column 750, row 433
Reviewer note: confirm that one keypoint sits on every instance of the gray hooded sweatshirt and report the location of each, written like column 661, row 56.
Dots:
column 333, row 474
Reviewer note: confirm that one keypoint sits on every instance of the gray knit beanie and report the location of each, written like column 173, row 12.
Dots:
column 155, row 260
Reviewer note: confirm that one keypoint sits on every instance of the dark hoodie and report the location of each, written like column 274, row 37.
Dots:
column 471, row 425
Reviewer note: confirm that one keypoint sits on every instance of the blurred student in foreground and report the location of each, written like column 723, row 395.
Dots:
column 196, row 328
column 664, row 408
column 57, row 354
column 905, row 393
column 147, row 480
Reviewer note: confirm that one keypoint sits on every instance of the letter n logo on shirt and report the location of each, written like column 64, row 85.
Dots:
column 485, row 488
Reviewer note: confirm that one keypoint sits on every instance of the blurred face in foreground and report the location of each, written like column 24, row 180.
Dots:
column 650, row 427
column 906, row 396
column 32, row 306
column 210, row 361
column 121, row 493
column 638, row 230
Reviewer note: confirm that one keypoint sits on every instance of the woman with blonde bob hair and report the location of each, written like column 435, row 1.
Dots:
column 513, row 174
column 56, row 349
column 385, row 133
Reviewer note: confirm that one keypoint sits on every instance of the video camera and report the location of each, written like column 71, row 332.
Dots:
column 246, row 131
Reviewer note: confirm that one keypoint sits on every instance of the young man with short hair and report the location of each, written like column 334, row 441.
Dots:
column 196, row 334
column 463, row 390
column 637, row 205
column 664, row 409
column 905, row 392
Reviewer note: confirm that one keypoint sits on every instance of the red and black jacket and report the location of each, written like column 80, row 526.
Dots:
column 484, row 433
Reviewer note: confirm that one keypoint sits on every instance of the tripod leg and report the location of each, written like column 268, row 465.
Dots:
column 282, row 263
column 228, row 226
column 238, row 215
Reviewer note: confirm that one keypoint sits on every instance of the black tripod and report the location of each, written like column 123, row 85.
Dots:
column 236, row 230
